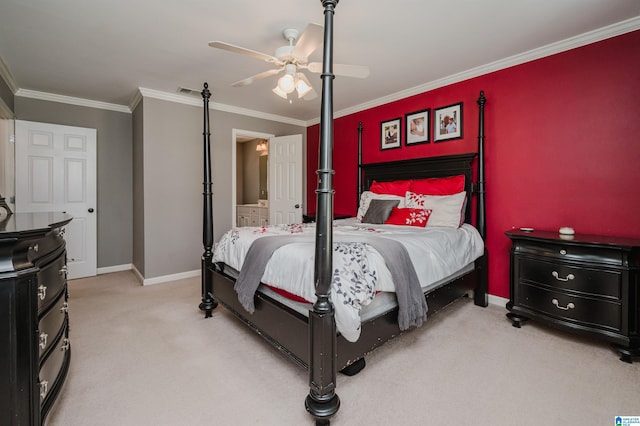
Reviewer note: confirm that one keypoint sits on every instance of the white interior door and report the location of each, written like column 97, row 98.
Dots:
column 285, row 179
column 56, row 171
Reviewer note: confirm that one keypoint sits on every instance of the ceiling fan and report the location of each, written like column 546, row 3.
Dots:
column 292, row 59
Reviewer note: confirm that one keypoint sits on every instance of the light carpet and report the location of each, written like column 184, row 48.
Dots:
column 147, row 356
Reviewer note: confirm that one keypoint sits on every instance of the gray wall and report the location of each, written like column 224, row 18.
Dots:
column 6, row 95
column 114, row 174
column 172, row 179
column 250, row 173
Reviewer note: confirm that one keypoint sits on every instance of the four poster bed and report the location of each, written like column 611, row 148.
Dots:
column 302, row 325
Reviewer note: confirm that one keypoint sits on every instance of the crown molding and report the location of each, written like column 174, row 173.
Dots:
column 189, row 100
column 590, row 37
column 43, row 96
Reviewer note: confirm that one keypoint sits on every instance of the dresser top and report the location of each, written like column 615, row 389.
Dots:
column 580, row 239
column 24, row 224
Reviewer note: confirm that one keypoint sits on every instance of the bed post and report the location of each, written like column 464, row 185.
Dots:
column 481, row 291
column 481, row 212
column 360, row 128
column 207, row 304
column 322, row 402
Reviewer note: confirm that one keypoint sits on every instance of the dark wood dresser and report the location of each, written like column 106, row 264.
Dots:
column 34, row 323
column 585, row 284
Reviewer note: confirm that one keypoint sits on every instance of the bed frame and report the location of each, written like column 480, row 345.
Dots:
column 313, row 342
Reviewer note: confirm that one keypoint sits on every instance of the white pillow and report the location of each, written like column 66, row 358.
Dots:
column 366, row 198
column 446, row 209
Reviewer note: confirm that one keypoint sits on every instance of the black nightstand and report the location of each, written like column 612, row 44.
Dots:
column 585, row 284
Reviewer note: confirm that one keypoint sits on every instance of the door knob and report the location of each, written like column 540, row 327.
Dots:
column 297, row 206
column 90, row 210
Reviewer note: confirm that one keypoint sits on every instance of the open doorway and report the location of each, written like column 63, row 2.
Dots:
column 250, row 187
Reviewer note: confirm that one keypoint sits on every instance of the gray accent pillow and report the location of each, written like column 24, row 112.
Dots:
column 379, row 211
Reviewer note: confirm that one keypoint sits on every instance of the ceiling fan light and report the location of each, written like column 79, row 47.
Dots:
column 303, row 88
column 279, row 92
column 286, row 83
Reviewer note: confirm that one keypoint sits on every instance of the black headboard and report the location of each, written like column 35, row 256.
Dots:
column 421, row 168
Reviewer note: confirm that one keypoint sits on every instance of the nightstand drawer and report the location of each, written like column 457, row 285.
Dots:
column 563, row 251
column 592, row 281
column 583, row 310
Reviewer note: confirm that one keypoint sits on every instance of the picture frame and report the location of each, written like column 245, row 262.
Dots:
column 447, row 123
column 416, row 127
column 390, row 134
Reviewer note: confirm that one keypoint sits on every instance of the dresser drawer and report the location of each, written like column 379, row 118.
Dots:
column 597, row 282
column 593, row 255
column 50, row 370
column 587, row 311
column 47, row 245
column 51, row 282
column 50, row 326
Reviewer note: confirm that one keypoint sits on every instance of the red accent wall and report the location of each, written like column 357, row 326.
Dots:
column 561, row 142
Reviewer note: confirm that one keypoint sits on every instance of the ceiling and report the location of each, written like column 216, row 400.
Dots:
column 104, row 50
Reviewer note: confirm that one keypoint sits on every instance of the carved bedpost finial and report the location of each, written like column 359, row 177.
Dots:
column 206, row 94
column 482, row 100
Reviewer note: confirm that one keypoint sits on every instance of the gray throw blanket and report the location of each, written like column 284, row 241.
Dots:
column 412, row 306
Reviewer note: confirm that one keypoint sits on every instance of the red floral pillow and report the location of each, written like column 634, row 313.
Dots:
column 409, row 217
column 438, row 186
column 396, row 187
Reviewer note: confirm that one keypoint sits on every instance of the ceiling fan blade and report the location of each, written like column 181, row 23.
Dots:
column 310, row 39
column 237, row 49
column 357, row 71
column 256, row 77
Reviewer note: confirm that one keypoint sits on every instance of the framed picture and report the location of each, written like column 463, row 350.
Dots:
column 416, row 127
column 390, row 134
column 447, row 123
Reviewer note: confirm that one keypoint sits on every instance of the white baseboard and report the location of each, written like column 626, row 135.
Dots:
column 116, row 268
column 497, row 300
column 166, row 278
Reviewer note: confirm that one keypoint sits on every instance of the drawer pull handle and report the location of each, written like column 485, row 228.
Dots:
column 42, row 291
column 64, row 308
column 63, row 270
column 569, row 306
column 563, row 252
column 557, row 277
column 44, row 388
column 34, row 247
column 43, row 340
column 65, row 345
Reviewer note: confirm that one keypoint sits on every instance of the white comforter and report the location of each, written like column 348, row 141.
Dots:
column 359, row 270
